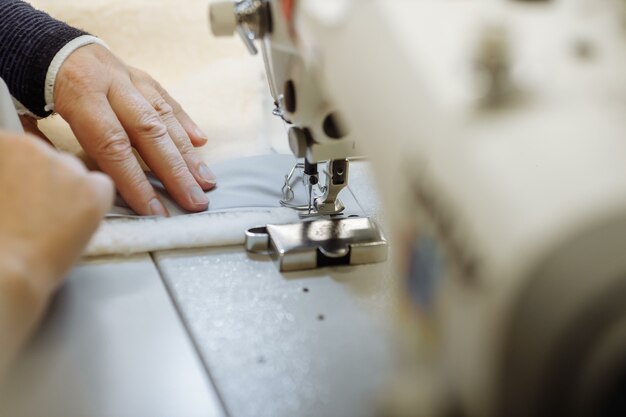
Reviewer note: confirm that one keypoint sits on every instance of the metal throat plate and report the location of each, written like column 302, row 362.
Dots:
column 319, row 243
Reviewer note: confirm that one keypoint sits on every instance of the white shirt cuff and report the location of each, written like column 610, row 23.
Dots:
column 59, row 59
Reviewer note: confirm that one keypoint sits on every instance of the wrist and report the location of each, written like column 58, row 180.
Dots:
column 23, row 272
column 59, row 59
column 29, row 40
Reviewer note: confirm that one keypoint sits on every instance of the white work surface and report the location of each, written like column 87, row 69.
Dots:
column 210, row 332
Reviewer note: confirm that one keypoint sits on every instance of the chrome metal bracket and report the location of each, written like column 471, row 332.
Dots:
column 319, row 243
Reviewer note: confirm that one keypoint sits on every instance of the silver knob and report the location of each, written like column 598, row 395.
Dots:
column 249, row 18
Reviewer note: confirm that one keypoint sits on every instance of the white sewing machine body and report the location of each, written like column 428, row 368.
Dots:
column 496, row 131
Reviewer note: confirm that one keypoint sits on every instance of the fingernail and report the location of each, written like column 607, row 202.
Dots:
column 200, row 133
column 197, row 195
column 205, row 173
column 157, row 208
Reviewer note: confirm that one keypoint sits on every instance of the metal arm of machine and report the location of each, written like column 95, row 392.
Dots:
column 317, row 132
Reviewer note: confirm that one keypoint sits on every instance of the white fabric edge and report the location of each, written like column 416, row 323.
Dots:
column 59, row 59
column 127, row 236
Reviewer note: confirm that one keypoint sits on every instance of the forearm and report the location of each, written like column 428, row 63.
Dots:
column 29, row 41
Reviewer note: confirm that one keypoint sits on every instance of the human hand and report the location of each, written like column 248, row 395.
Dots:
column 111, row 109
column 51, row 205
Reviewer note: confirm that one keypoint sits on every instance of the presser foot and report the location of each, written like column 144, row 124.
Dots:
column 322, row 199
column 329, row 208
column 325, row 209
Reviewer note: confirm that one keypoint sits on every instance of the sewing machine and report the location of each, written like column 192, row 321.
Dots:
column 496, row 130
column 317, row 133
column 497, row 136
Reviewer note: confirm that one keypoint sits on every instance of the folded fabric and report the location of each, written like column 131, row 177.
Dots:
column 125, row 236
column 248, row 195
column 243, row 182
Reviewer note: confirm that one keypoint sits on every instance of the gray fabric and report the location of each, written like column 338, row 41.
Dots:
column 252, row 182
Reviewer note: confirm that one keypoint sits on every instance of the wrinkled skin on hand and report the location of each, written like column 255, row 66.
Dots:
column 50, row 207
column 112, row 109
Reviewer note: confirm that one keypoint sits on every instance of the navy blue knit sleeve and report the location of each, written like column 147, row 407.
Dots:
column 29, row 40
